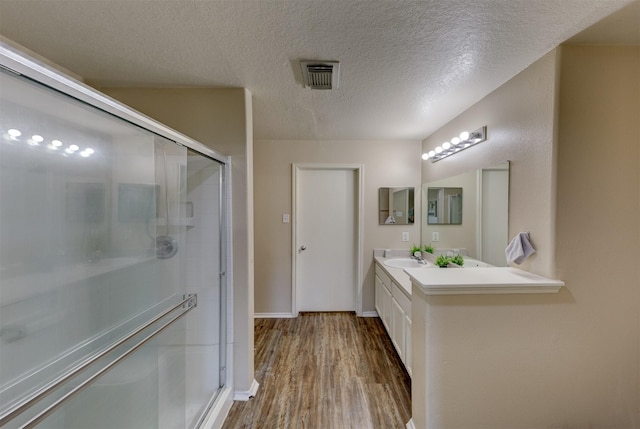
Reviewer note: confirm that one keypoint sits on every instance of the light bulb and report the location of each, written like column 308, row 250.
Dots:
column 446, row 145
column 432, row 154
column 438, row 149
column 36, row 138
column 89, row 151
column 84, row 154
column 464, row 135
column 425, row 156
column 56, row 143
column 69, row 151
column 455, row 141
column 74, row 147
column 14, row 133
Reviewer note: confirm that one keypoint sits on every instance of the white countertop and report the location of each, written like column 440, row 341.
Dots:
column 485, row 280
column 397, row 274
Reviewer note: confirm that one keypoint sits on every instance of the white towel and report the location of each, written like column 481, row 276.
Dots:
column 519, row 249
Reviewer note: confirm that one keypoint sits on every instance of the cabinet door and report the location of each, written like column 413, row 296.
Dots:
column 379, row 296
column 397, row 328
column 386, row 308
column 407, row 344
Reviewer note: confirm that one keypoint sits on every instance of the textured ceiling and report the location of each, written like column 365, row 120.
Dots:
column 407, row 67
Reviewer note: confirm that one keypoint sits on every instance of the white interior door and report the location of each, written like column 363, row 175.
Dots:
column 495, row 218
column 326, row 239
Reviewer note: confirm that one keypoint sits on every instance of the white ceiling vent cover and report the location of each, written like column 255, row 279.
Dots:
column 320, row 74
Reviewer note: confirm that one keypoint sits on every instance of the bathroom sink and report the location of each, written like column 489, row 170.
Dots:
column 474, row 263
column 404, row 263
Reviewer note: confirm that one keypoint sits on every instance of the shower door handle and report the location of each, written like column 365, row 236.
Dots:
column 303, row 247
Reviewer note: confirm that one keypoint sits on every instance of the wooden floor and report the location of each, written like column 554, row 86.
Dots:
column 325, row 371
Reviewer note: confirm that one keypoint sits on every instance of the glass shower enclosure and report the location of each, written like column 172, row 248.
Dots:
column 113, row 256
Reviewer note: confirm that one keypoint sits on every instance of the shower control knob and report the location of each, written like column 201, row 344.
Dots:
column 166, row 247
column 303, row 248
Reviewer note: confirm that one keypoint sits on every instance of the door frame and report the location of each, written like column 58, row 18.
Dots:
column 296, row 170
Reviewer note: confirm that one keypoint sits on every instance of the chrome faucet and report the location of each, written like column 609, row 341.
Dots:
column 418, row 257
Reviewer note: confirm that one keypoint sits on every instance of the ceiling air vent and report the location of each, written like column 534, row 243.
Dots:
column 320, row 74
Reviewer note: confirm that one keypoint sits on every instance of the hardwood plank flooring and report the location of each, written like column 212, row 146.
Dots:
column 325, row 371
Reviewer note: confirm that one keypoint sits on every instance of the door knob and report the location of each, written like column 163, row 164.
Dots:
column 303, row 247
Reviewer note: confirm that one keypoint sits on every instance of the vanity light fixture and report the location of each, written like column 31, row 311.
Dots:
column 36, row 141
column 13, row 133
column 55, row 144
column 457, row 144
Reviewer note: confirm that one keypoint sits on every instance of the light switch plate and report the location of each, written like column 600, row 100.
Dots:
column 405, row 236
column 435, row 236
column 285, row 218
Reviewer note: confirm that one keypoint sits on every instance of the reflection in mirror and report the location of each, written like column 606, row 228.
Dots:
column 396, row 206
column 444, row 206
column 484, row 233
column 85, row 202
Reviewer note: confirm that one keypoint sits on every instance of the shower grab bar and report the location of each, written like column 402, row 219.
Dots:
column 188, row 303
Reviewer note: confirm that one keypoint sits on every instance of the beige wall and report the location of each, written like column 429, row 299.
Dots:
column 572, row 359
column 220, row 119
column 387, row 163
column 520, row 128
column 598, row 234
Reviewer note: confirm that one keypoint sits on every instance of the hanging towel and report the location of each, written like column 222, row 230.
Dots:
column 519, row 249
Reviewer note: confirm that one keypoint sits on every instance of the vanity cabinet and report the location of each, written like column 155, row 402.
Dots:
column 407, row 344
column 383, row 298
column 394, row 308
column 398, row 328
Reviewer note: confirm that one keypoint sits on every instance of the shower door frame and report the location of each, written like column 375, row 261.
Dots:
column 13, row 60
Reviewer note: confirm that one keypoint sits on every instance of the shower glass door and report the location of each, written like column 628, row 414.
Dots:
column 111, row 279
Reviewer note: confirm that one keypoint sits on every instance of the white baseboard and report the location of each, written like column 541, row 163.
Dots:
column 410, row 424
column 273, row 316
column 219, row 411
column 372, row 313
column 247, row 394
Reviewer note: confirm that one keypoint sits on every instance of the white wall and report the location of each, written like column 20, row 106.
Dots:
column 571, row 359
column 387, row 164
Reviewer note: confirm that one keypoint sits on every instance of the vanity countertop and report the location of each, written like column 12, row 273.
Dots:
column 397, row 274
column 481, row 280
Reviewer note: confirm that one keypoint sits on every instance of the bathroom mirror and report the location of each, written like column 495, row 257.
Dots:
column 444, row 206
column 484, row 219
column 396, row 206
